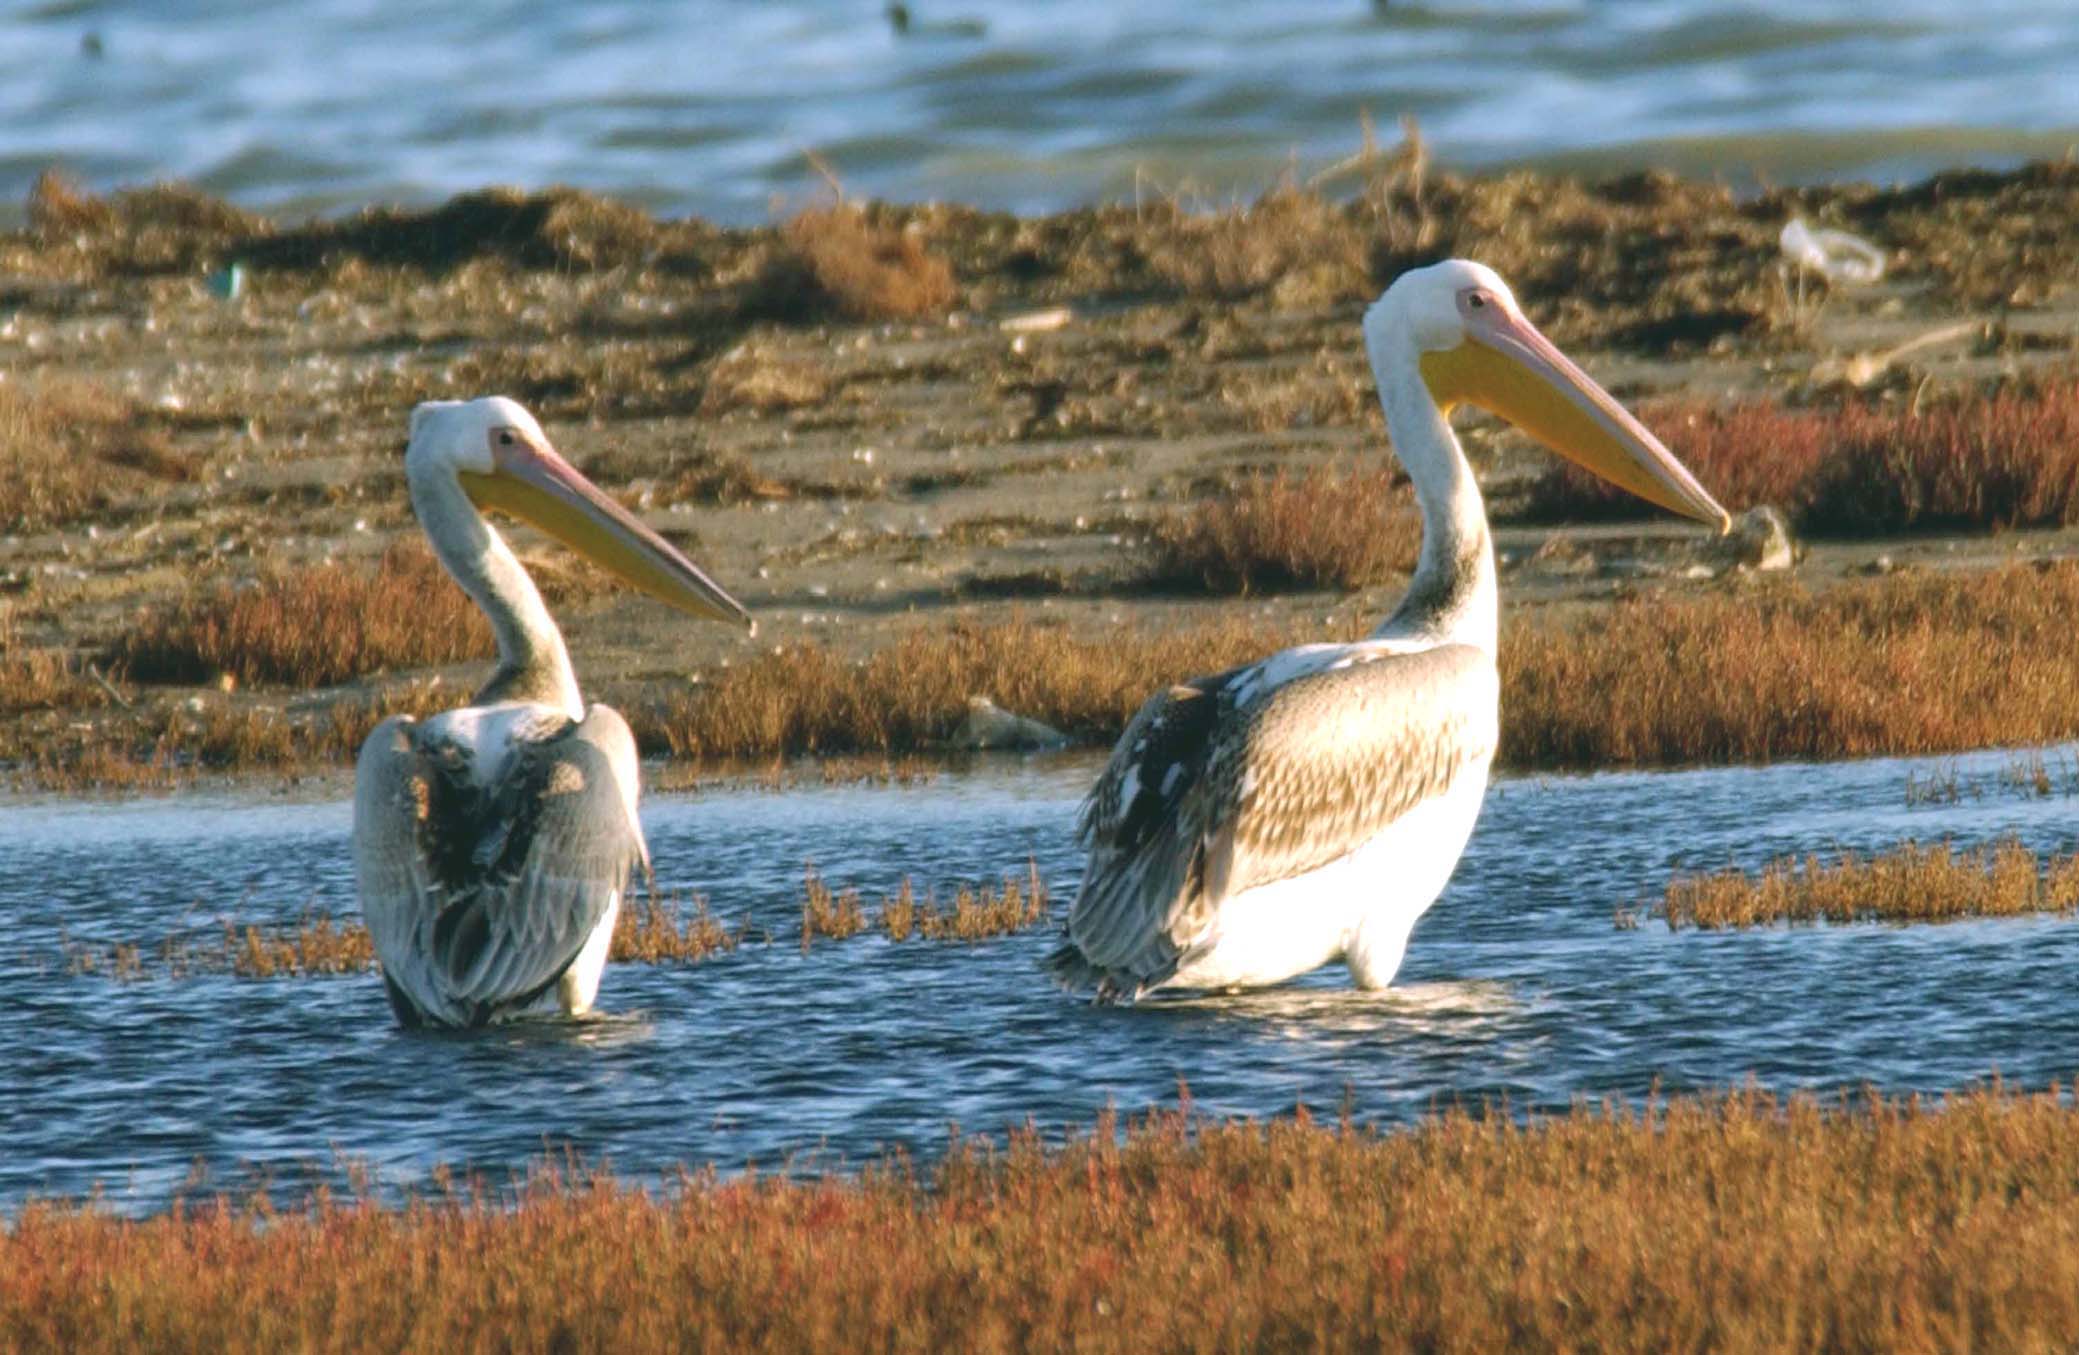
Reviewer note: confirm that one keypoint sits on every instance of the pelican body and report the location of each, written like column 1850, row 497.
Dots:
column 1256, row 824
column 493, row 844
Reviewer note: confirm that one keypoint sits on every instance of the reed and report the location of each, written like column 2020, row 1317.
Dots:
column 1909, row 883
column 311, row 626
column 667, row 930
column 976, row 913
column 314, row 944
column 1730, row 1223
column 833, row 914
column 2006, row 459
column 1327, row 528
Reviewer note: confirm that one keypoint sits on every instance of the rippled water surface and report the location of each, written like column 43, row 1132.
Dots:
column 1518, row 983
column 709, row 106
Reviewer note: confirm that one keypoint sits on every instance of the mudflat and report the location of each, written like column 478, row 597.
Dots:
column 872, row 421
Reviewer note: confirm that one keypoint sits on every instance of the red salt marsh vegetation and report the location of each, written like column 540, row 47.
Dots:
column 1737, row 1223
column 1915, row 662
column 1911, row 663
column 1326, row 528
column 311, row 626
column 2008, row 458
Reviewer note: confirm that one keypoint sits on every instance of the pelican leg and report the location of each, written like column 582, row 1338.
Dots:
column 1377, row 948
column 579, row 986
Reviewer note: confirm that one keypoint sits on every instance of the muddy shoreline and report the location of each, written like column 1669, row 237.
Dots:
column 867, row 421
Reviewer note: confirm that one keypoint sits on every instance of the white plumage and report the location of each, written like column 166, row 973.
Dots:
column 1258, row 823
column 494, row 844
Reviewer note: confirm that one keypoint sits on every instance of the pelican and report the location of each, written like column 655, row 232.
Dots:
column 1256, row 824
column 493, row 843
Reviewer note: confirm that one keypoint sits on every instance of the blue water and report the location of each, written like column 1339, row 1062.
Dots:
column 710, row 107
column 1518, row 984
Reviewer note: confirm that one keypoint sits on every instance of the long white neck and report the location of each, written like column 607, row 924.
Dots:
column 1452, row 598
column 533, row 665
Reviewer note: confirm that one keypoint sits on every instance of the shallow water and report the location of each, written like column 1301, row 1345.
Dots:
column 1517, row 984
column 709, row 107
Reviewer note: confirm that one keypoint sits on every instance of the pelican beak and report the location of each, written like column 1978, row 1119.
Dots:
column 1506, row 367
column 531, row 482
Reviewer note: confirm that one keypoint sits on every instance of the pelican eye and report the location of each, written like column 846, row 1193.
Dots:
column 1476, row 300
column 505, row 437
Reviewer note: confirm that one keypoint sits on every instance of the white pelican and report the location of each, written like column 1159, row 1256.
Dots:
column 1261, row 822
column 493, row 844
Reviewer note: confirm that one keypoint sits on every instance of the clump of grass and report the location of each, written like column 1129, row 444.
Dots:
column 69, row 449
column 2008, row 459
column 914, row 692
column 1910, row 883
column 975, row 914
column 832, row 914
column 315, row 944
column 311, row 626
column 661, row 931
column 37, row 677
column 1324, row 529
column 765, row 382
column 845, row 260
column 1297, row 247
column 1912, row 663
column 1733, row 1223
column 118, row 960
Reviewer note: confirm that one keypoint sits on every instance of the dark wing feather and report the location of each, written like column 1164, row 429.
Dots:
column 480, row 894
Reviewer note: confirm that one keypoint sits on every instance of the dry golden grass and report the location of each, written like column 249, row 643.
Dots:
column 2008, row 459
column 312, row 626
column 648, row 931
column 1731, row 1224
column 162, row 746
column 316, row 944
column 1909, row 883
column 974, row 914
column 1913, row 663
column 1910, row 663
column 850, row 261
column 68, row 449
column 666, row 931
column 914, row 692
column 832, row 914
column 1324, row 529
column 37, row 677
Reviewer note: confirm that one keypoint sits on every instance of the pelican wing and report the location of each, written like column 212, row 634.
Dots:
column 1257, row 775
column 479, row 893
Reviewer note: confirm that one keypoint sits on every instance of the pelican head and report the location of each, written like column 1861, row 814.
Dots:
column 498, row 454
column 1474, row 346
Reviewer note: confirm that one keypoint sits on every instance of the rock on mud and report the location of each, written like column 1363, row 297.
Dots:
column 1761, row 540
